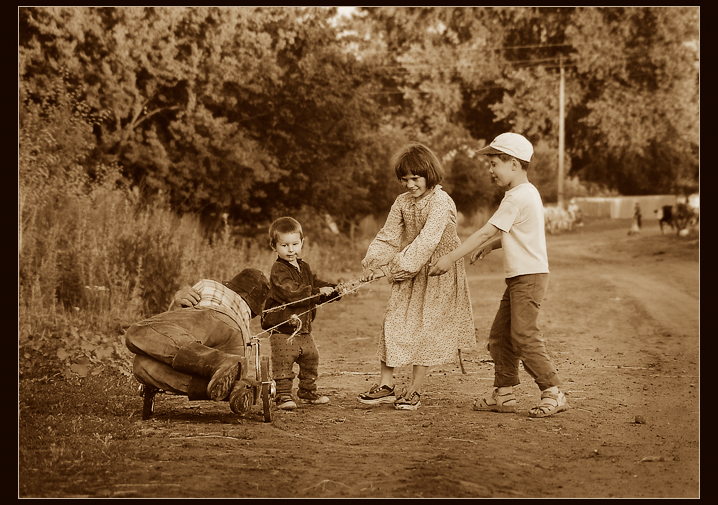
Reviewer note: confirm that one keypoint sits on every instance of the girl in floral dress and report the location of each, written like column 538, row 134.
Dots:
column 427, row 319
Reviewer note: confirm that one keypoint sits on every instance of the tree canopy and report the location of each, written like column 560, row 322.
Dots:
column 260, row 111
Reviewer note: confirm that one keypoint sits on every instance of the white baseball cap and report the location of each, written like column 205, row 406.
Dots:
column 512, row 144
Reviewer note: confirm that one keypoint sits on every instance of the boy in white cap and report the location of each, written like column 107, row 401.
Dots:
column 514, row 335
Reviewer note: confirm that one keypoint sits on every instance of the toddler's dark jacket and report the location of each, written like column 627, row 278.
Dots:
column 287, row 284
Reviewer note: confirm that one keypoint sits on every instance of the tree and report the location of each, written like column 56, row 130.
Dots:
column 637, row 127
column 249, row 110
column 256, row 111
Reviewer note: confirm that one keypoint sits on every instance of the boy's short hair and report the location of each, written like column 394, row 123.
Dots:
column 417, row 159
column 508, row 157
column 284, row 224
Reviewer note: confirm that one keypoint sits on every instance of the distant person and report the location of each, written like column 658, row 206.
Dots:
column 514, row 334
column 427, row 320
column 294, row 286
column 636, row 222
column 195, row 348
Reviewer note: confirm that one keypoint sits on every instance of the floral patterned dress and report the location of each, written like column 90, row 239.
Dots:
column 427, row 318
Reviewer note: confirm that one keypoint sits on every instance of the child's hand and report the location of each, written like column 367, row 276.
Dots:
column 402, row 275
column 480, row 254
column 187, row 296
column 370, row 275
column 441, row 266
column 326, row 291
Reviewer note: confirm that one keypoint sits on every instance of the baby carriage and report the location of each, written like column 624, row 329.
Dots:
column 260, row 387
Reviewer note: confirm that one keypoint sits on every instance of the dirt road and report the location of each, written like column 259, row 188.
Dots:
column 621, row 321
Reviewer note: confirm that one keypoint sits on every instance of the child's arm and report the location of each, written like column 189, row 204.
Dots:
column 477, row 239
column 327, row 290
column 385, row 244
column 285, row 289
column 415, row 256
column 483, row 250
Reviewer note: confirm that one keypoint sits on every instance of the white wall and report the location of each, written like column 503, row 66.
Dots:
column 622, row 206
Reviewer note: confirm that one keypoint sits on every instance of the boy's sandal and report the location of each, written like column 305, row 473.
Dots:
column 551, row 403
column 505, row 402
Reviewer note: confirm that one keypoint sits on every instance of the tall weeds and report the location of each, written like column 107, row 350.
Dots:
column 90, row 265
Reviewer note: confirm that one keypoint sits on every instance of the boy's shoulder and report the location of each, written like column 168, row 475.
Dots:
column 525, row 190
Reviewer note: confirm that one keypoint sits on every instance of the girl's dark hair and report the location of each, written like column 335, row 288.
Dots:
column 417, row 159
column 284, row 224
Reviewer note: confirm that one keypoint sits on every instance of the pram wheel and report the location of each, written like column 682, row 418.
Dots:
column 266, row 390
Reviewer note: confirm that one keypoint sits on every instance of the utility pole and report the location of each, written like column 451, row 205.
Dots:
column 561, row 133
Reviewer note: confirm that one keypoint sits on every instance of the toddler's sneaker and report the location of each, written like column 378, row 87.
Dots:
column 285, row 402
column 378, row 394
column 408, row 402
column 312, row 397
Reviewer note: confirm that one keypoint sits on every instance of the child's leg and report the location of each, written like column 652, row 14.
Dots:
column 418, row 377
column 506, row 362
column 308, row 360
column 527, row 293
column 500, row 346
column 283, row 355
column 387, row 375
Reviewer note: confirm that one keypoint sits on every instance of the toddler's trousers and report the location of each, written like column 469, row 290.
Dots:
column 285, row 352
column 515, row 334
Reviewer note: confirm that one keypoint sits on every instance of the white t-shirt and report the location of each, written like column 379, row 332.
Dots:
column 520, row 217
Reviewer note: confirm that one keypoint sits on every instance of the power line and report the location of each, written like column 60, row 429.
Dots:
column 485, row 48
column 546, row 63
column 554, row 63
column 548, row 60
column 395, row 92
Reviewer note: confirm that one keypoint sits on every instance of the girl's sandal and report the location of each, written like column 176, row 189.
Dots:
column 551, row 403
column 505, row 402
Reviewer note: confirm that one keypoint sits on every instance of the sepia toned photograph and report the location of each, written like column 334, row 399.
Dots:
column 358, row 252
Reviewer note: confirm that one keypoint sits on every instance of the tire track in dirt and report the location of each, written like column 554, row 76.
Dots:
column 674, row 310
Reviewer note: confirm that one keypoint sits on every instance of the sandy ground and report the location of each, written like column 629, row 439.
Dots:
column 621, row 323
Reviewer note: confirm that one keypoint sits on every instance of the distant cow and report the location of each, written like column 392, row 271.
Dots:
column 665, row 216
column 557, row 219
column 575, row 213
column 679, row 217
